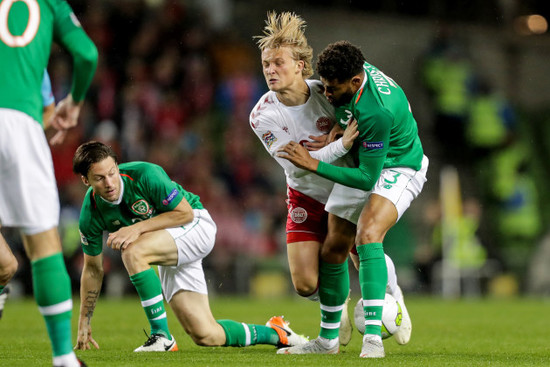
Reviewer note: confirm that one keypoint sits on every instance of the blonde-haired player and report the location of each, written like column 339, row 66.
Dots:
column 295, row 109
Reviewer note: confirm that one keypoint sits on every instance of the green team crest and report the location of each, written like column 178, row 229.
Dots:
column 142, row 207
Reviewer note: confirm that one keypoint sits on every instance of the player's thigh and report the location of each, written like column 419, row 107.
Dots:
column 28, row 190
column 155, row 248
column 377, row 217
column 303, row 261
column 340, row 238
column 42, row 244
column 193, row 312
column 175, row 246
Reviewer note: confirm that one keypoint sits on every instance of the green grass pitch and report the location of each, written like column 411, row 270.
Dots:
column 485, row 332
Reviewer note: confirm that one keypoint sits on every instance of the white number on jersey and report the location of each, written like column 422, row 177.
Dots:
column 32, row 24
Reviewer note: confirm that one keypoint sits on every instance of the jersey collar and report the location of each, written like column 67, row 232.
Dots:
column 119, row 200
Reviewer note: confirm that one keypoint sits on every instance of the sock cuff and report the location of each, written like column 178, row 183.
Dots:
column 48, row 262
column 329, row 266
column 136, row 278
column 373, row 250
column 228, row 326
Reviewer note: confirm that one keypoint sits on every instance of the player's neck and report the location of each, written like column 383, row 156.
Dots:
column 295, row 96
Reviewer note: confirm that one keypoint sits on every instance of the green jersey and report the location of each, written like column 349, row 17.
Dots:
column 27, row 29
column 147, row 191
column 388, row 134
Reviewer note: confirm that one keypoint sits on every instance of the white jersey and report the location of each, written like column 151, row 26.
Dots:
column 276, row 125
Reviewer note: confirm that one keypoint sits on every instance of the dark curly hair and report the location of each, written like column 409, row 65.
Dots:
column 340, row 61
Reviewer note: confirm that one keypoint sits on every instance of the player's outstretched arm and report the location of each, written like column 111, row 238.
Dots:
column 90, row 287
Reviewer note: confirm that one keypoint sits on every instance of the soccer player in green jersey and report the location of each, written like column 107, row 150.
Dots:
column 153, row 220
column 28, row 192
column 48, row 102
column 391, row 168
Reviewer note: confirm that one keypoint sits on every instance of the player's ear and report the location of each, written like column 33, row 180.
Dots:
column 84, row 180
column 356, row 81
column 300, row 64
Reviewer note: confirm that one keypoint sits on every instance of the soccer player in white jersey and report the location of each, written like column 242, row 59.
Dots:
column 295, row 109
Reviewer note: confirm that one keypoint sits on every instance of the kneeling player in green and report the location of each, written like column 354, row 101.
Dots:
column 152, row 220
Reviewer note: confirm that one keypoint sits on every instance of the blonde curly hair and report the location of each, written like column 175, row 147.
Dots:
column 287, row 30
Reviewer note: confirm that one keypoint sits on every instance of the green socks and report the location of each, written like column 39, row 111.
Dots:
column 52, row 291
column 150, row 292
column 239, row 334
column 333, row 291
column 373, row 277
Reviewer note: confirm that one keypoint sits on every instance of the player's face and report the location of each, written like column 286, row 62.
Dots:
column 104, row 178
column 338, row 93
column 281, row 71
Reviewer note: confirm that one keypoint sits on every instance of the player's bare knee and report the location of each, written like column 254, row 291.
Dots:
column 203, row 339
column 368, row 235
column 132, row 256
column 305, row 287
column 334, row 254
column 8, row 271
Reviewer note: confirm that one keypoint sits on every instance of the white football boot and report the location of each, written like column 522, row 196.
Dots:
column 372, row 347
column 3, row 298
column 403, row 335
column 314, row 346
column 158, row 343
column 346, row 326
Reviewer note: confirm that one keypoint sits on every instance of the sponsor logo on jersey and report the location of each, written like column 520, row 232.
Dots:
column 83, row 239
column 373, row 145
column 115, row 222
column 142, row 207
column 269, row 138
column 298, row 215
column 170, row 197
column 323, row 124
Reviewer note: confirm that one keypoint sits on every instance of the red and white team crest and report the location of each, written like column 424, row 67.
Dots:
column 298, row 215
column 324, row 124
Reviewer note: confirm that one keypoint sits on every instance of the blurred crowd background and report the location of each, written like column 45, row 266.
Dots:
column 176, row 82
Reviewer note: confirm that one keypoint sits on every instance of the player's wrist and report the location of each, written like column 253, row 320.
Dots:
column 313, row 165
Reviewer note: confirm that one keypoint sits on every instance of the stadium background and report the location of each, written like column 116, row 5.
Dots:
column 177, row 79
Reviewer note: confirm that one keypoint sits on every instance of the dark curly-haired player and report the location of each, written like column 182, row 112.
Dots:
column 391, row 167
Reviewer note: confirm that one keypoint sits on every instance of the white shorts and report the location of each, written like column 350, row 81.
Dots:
column 194, row 241
column 28, row 190
column 398, row 184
